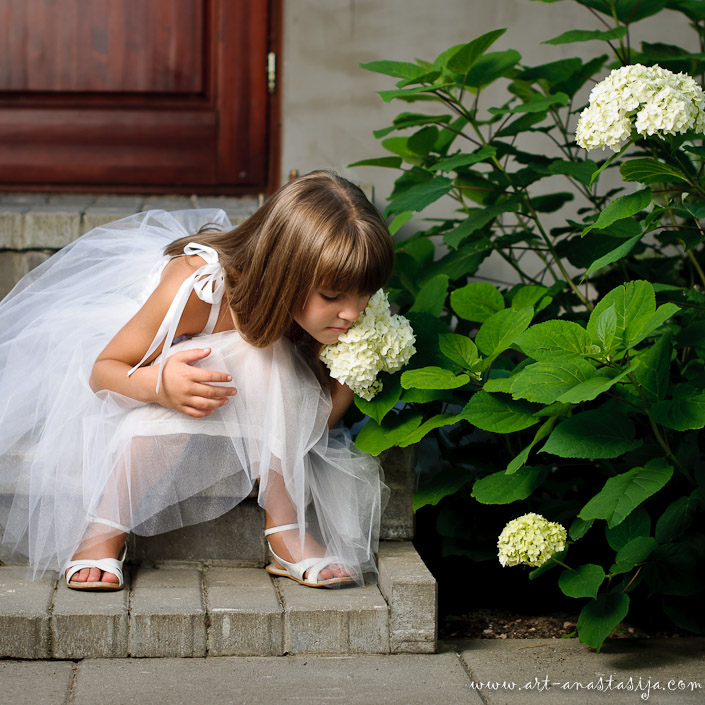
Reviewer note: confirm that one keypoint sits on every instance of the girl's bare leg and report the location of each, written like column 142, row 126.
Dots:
column 279, row 511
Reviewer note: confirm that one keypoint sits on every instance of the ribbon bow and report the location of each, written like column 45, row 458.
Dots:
column 208, row 283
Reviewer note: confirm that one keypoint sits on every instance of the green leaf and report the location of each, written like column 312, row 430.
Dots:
column 406, row 120
column 374, row 438
column 432, row 378
column 545, row 382
column 584, row 581
column 498, row 414
column 476, row 301
column 651, row 373
column 661, row 315
column 464, row 59
column 397, row 69
column 492, row 66
column 623, row 493
column 538, row 103
column 579, row 528
column 501, row 329
column 614, row 256
column 523, row 456
column 592, row 434
column 411, row 93
column 677, row 518
column 584, row 35
column 528, row 295
column 426, row 427
column 417, row 197
column 580, row 171
column 500, row 488
column 606, row 326
column 460, row 349
column 522, row 124
column 476, row 220
column 600, row 616
column 549, row 565
column 672, row 568
column 686, row 411
column 636, row 551
column 442, row 484
column 649, row 171
column 592, row 388
column 400, row 220
column 384, row 402
column 552, row 73
column 432, row 296
column 553, row 340
column 635, row 309
column 387, row 162
column 627, row 11
column 457, row 161
column 622, row 207
column 638, row 523
column 552, row 202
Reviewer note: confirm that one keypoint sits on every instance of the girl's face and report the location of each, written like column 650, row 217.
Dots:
column 327, row 313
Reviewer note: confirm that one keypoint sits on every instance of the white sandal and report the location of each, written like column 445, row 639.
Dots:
column 105, row 565
column 312, row 566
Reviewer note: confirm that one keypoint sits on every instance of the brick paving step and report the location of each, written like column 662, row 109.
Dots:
column 181, row 610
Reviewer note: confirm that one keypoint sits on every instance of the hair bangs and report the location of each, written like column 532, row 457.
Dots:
column 351, row 262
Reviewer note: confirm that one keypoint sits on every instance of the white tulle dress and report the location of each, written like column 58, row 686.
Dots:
column 74, row 463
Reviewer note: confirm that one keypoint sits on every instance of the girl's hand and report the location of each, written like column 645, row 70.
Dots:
column 189, row 389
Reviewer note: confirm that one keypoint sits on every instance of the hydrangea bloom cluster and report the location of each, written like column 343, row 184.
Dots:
column 378, row 342
column 530, row 540
column 652, row 100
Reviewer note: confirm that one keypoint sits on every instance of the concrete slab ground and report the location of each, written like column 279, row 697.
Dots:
column 474, row 672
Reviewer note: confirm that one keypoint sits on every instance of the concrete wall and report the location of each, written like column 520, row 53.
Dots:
column 330, row 106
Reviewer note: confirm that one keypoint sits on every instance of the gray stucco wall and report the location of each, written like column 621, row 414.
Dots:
column 330, row 106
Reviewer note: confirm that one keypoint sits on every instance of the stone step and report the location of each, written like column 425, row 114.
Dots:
column 35, row 225
column 237, row 537
column 181, row 610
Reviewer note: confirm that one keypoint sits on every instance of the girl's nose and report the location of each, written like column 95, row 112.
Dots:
column 351, row 309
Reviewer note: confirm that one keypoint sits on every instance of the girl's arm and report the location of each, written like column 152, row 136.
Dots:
column 342, row 397
column 184, row 387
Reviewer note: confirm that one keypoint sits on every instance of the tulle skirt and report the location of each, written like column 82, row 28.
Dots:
column 74, row 464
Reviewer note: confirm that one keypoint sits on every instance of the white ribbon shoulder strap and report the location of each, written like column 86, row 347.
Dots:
column 209, row 284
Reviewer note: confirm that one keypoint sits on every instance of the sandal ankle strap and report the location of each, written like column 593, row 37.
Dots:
column 277, row 529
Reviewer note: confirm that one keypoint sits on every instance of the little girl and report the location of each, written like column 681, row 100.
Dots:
column 212, row 383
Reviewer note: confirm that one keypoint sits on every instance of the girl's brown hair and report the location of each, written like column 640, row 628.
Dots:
column 316, row 231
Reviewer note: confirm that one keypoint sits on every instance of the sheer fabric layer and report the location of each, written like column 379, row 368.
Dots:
column 67, row 454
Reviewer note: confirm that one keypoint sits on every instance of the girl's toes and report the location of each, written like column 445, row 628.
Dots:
column 94, row 575
column 110, row 578
column 80, row 577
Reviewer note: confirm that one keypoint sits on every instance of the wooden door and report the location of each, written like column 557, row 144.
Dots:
column 164, row 95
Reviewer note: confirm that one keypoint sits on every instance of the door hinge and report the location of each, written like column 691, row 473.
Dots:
column 271, row 73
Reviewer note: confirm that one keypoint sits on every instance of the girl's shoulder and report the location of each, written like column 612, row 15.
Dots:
column 180, row 267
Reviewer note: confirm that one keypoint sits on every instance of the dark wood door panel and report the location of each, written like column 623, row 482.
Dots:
column 102, row 45
column 66, row 146
column 163, row 94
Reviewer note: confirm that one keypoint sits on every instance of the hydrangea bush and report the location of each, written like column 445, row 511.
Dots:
column 379, row 341
column 578, row 391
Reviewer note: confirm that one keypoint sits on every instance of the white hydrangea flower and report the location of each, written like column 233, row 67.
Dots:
column 530, row 540
column 377, row 342
column 649, row 99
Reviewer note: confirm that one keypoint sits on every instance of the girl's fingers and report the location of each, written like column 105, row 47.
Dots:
column 192, row 355
column 210, row 392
